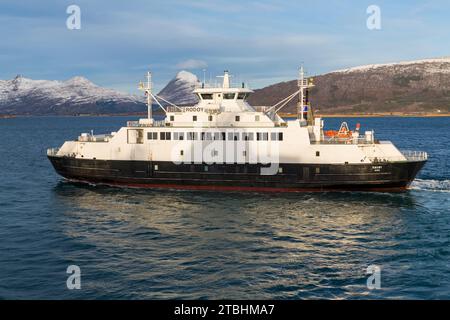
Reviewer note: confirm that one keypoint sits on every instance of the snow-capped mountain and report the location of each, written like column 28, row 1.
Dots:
column 411, row 86
column 418, row 86
column 179, row 89
column 77, row 95
column 439, row 65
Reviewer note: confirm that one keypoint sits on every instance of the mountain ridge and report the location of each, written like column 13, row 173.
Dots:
column 389, row 64
column 77, row 95
column 410, row 86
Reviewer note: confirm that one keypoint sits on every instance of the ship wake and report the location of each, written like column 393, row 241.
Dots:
column 431, row 185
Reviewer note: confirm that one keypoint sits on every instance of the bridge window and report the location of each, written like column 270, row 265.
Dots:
column 207, row 96
column 206, row 135
column 164, row 136
column 178, row 136
column 219, row 135
column 262, row 136
column 242, row 96
column 273, row 136
column 248, row 136
column 192, row 135
column 152, row 135
column 233, row 136
column 229, row 96
column 276, row 136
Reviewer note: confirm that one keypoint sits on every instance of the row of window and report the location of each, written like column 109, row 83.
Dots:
column 227, row 96
column 210, row 118
column 232, row 136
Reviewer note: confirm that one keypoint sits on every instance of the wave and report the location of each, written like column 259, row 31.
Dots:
column 431, row 185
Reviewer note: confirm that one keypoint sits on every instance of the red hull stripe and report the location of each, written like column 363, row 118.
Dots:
column 239, row 188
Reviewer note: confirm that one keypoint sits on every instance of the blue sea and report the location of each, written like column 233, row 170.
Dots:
column 160, row 244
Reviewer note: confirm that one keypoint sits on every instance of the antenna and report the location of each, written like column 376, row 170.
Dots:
column 148, row 93
column 303, row 84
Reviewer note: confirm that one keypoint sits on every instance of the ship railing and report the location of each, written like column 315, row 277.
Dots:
column 177, row 109
column 135, row 124
column 261, row 108
column 156, row 123
column 335, row 140
column 159, row 123
column 411, row 155
column 406, row 155
column 188, row 107
column 86, row 137
column 52, row 151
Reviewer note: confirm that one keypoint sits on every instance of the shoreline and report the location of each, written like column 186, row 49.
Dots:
column 372, row 115
column 283, row 115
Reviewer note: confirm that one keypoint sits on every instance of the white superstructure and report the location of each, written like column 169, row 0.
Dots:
column 224, row 117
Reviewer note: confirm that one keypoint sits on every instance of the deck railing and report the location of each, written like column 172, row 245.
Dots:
column 177, row 109
column 414, row 155
column 136, row 124
column 405, row 156
column 261, row 108
column 52, row 151
column 156, row 123
column 159, row 123
column 334, row 140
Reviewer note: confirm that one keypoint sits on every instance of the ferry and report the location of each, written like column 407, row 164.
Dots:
column 223, row 143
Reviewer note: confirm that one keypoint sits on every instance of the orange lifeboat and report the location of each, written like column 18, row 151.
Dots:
column 343, row 132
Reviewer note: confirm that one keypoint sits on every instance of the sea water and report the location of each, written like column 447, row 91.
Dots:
column 159, row 244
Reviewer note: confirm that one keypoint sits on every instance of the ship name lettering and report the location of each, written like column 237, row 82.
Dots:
column 193, row 109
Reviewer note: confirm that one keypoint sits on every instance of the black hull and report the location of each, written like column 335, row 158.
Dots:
column 394, row 176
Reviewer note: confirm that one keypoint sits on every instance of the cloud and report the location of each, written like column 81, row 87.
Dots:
column 192, row 64
column 259, row 40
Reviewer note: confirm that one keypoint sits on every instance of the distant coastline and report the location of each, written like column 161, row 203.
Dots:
column 374, row 115
column 283, row 115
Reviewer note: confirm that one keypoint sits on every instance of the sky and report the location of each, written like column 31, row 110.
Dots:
column 260, row 42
